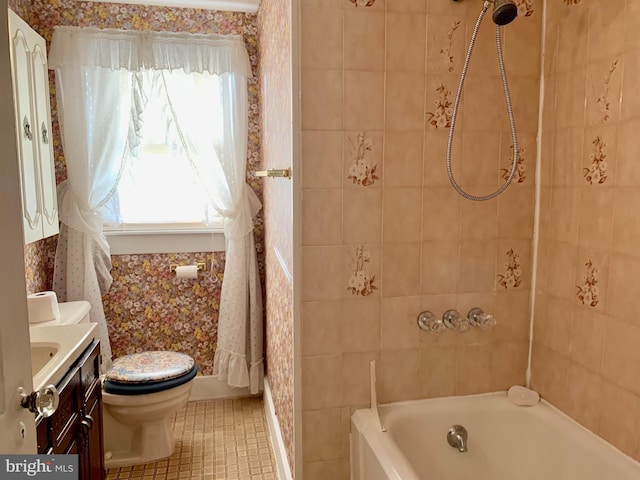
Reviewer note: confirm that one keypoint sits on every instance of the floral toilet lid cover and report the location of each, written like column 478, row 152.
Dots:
column 147, row 367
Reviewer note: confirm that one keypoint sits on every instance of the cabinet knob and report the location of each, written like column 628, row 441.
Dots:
column 26, row 125
column 45, row 401
column 45, row 133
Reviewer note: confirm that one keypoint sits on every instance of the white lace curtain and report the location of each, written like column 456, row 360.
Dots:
column 98, row 97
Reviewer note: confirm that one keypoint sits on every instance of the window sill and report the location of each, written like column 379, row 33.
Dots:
column 164, row 241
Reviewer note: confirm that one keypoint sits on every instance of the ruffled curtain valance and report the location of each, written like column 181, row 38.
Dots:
column 142, row 50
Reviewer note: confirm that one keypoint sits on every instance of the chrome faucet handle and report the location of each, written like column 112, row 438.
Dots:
column 453, row 319
column 429, row 322
column 479, row 318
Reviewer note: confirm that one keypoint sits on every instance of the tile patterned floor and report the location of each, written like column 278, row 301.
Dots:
column 215, row 440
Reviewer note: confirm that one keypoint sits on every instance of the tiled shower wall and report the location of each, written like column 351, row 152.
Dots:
column 586, row 357
column 384, row 236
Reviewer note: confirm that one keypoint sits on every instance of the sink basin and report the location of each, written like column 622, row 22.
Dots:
column 41, row 354
column 54, row 349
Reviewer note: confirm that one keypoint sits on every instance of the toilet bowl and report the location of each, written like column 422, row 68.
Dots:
column 140, row 394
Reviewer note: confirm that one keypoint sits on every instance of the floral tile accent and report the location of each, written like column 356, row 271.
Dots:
column 571, row 2
column 525, row 8
column 441, row 117
column 521, row 168
column 597, row 172
column 362, row 3
column 603, row 100
column 446, row 51
column 361, row 283
column 361, row 172
column 587, row 294
column 512, row 277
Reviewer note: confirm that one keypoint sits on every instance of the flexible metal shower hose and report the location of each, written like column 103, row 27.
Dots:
column 454, row 114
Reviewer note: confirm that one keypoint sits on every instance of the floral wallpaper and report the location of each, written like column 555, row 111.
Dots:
column 276, row 96
column 146, row 307
column 21, row 7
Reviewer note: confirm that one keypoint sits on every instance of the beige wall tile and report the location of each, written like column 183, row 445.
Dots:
column 480, row 163
column 325, row 208
column 606, row 29
column 592, row 279
column 478, row 220
column 512, row 314
column 563, row 214
column 356, row 385
column 402, row 217
column 572, row 31
column 361, row 325
column 321, row 435
column 363, row 100
column 570, row 98
column 623, row 300
column 508, row 364
column 361, row 271
column 363, row 147
column 604, row 91
column 321, row 99
column 446, row 46
column 562, row 270
column 399, row 325
column 599, row 160
column 626, row 226
column 401, row 269
column 549, row 375
column 322, row 273
column 336, row 470
column 414, row 6
column 404, row 101
column 632, row 26
column 483, row 101
column 595, row 221
column 321, row 31
column 587, row 338
column 553, row 330
column 619, row 421
column 568, row 155
column 406, row 42
column 584, row 392
column 440, row 267
column 523, row 44
column 437, row 371
column 516, row 213
column 322, row 154
column 477, row 266
column 435, row 155
column 441, row 213
column 473, row 369
column 627, row 166
column 403, row 159
column 321, row 382
column 399, row 375
column 524, row 92
column 362, row 215
column 621, row 355
column 364, row 39
column 321, row 328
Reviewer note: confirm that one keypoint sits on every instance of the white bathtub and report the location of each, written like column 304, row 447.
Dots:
column 506, row 442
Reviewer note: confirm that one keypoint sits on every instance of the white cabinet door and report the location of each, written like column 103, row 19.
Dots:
column 33, row 123
column 42, row 121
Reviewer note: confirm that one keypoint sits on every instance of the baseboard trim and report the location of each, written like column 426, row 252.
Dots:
column 279, row 450
column 208, row 387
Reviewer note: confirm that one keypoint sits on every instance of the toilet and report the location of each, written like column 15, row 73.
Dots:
column 140, row 394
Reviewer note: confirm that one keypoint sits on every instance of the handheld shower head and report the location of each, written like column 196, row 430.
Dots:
column 504, row 12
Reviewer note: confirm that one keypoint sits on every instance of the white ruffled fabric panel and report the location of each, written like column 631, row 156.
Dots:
column 142, row 50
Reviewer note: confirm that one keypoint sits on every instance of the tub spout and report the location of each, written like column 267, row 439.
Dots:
column 457, row 437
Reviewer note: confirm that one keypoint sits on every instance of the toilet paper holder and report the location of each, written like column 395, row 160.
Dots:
column 201, row 266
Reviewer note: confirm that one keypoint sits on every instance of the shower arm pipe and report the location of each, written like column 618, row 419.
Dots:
column 456, row 104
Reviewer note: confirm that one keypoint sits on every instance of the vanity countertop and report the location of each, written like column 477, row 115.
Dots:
column 61, row 346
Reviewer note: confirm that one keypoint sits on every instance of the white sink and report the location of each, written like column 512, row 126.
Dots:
column 55, row 348
column 41, row 354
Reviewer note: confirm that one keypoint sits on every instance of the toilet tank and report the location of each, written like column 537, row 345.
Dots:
column 72, row 313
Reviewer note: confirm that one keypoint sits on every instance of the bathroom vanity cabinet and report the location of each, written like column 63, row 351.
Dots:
column 76, row 426
column 30, row 77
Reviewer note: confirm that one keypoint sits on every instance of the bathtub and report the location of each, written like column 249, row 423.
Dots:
column 506, row 442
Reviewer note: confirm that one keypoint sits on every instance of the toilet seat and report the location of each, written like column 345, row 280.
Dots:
column 149, row 372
